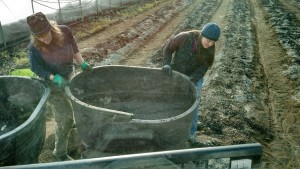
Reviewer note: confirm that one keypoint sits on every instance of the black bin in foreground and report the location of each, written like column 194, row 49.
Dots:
column 22, row 119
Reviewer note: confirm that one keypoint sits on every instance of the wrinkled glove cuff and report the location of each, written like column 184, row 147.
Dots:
column 60, row 81
column 57, row 79
column 84, row 65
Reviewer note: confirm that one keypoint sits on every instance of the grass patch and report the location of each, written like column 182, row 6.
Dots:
column 94, row 26
column 21, row 60
column 23, row 72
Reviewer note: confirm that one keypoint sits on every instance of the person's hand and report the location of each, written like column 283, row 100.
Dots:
column 167, row 70
column 59, row 81
column 86, row 67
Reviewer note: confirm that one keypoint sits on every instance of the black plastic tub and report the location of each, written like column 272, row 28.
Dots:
column 132, row 108
column 22, row 119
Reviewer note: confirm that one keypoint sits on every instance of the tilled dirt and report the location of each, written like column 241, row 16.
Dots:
column 250, row 95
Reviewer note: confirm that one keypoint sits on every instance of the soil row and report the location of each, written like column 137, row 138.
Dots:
column 286, row 26
column 229, row 104
column 111, row 50
column 282, row 70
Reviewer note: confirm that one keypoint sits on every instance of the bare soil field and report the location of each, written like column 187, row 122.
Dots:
column 250, row 95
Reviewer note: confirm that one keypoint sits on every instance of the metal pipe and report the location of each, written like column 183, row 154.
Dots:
column 60, row 19
column 32, row 6
column 2, row 35
column 249, row 151
column 81, row 12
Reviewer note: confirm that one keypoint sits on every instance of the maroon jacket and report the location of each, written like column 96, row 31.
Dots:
column 59, row 60
column 190, row 58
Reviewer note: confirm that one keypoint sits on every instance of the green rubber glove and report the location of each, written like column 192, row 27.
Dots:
column 86, row 67
column 59, row 81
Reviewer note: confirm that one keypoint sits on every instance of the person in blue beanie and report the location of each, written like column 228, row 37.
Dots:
column 52, row 51
column 194, row 53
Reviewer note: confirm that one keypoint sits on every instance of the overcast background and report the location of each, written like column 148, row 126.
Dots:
column 13, row 14
column 14, row 10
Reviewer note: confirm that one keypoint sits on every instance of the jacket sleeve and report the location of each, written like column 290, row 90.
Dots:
column 172, row 46
column 71, row 38
column 37, row 64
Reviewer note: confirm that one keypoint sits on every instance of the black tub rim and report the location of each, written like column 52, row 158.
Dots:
column 156, row 121
column 35, row 112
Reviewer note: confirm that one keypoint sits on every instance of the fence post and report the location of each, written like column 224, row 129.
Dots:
column 2, row 34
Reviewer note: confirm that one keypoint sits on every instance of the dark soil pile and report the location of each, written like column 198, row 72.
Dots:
column 11, row 115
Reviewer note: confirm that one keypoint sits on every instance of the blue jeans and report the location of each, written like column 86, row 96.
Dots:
column 195, row 118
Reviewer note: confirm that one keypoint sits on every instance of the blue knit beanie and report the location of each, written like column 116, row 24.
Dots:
column 211, row 31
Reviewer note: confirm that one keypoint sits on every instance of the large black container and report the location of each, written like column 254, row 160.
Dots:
column 22, row 119
column 138, row 108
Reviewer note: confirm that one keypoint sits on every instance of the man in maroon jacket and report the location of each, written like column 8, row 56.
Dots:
column 194, row 55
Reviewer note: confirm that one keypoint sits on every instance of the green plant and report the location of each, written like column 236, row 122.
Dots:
column 21, row 60
column 22, row 72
